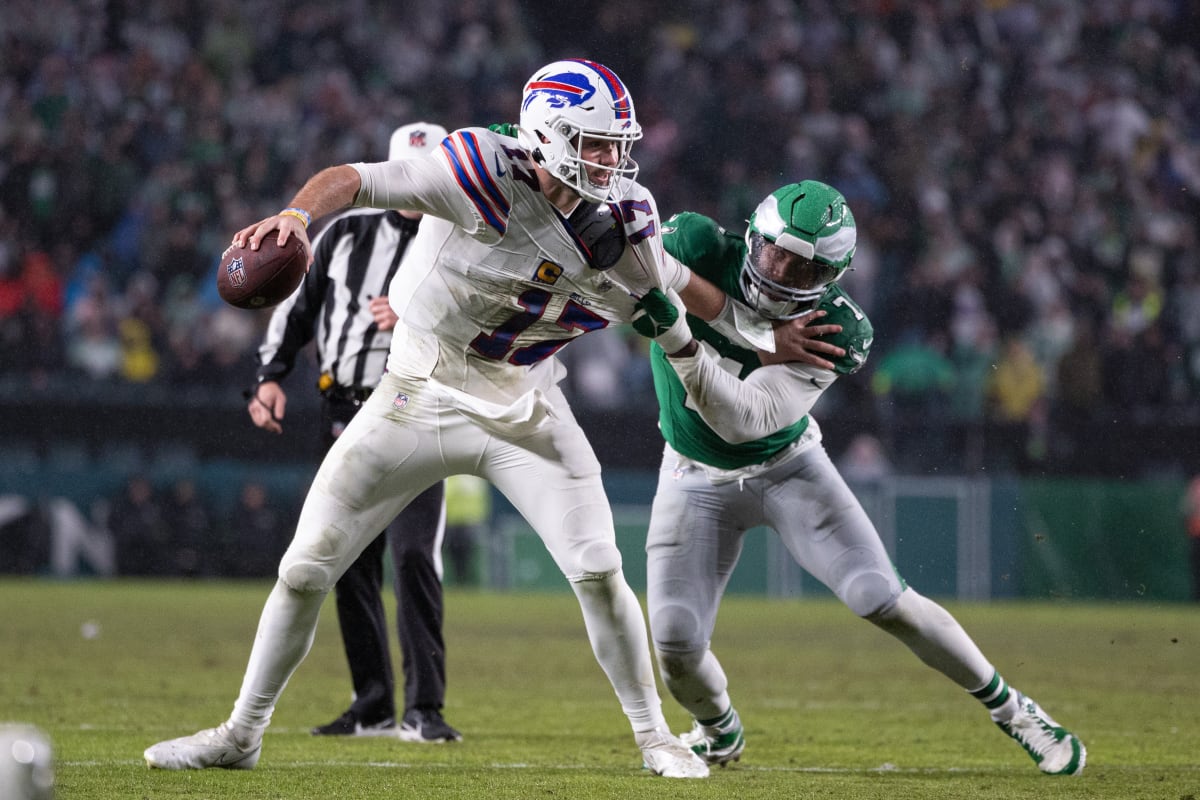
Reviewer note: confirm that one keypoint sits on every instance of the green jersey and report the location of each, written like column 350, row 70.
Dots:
column 717, row 255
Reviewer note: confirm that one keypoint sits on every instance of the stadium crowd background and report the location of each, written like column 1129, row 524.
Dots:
column 1025, row 175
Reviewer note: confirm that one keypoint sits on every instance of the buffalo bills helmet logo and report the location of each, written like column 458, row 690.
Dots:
column 560, row 91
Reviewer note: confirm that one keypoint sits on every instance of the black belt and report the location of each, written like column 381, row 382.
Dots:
column 347, row 394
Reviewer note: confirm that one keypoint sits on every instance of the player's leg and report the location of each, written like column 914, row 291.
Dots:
column 829, row 534
column 415, row 538
column 693, row 544
column 375, row 469
column 553, row 479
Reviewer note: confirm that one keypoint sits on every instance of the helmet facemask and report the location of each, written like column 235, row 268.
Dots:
column 800, row 240
column 568, row 102
column 779, row 284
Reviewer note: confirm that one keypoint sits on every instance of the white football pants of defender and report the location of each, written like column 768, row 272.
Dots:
column 408, row 436
column 695, row 540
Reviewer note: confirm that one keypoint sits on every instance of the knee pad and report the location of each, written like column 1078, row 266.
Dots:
column 305, row 577
column 870, row 594
column 597, row 561
column 676, row 633
column 314, row 567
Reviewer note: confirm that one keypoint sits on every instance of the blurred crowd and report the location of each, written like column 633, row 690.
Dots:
column 150, row 526
column 1025, row 175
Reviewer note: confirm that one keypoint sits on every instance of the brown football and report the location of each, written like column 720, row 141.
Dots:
column 261, row 278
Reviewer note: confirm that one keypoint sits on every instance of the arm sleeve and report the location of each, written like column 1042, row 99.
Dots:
column 414, row 184
column 675, row 273
column 739, row 411
column 468, row 180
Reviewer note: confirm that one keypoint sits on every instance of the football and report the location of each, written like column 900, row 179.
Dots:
column 261, row 278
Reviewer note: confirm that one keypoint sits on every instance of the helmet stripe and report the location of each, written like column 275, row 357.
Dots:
column 554, row 86
column 473, row 185
column 620, row 95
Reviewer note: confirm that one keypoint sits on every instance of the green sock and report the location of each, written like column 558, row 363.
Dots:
column 724, row 723
column 995, row 696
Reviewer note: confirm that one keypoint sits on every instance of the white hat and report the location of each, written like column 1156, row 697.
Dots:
column 415, row 140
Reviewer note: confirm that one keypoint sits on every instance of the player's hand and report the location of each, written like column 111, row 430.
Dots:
column 504, row 128
column 657, row 318
column 267, row 406
column 284, row 226
column 797, row 340
column 381, row 310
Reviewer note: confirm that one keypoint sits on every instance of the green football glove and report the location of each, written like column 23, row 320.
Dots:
column 657, row 318
column 503, row 128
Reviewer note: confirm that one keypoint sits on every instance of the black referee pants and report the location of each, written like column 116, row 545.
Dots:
column 412, row 537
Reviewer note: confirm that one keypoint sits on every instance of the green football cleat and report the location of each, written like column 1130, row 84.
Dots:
column 717, row 744
column 1055, row 749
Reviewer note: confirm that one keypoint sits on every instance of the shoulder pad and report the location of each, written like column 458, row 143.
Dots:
column 706, row 248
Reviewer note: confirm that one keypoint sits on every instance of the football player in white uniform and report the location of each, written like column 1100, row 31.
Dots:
column 743, row 451
column 531, row 242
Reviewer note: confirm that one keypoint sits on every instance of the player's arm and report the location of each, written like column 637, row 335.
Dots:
column 796, row 340
column 769, row 399
column 331, row 189
column 426, row 185
column 456, row 182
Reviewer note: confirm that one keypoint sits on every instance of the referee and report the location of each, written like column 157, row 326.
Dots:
column 343, row 304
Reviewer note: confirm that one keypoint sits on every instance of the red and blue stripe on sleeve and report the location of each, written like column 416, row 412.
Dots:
column 461, row 150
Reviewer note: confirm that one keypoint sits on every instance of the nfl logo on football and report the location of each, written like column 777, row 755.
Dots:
column 237, row 272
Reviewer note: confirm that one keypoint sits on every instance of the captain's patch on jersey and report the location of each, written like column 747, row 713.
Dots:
column 548, row 272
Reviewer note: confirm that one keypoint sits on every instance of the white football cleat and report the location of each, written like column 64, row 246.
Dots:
column 665, row 755
column 215, row 747
column 1055, row 749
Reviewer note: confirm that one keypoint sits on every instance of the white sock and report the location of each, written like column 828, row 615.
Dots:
column 285, row 634
column 936, row 638
column 617, row 631
column 700, row 686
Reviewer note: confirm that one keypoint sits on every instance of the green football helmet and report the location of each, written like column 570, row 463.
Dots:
column 801, row 239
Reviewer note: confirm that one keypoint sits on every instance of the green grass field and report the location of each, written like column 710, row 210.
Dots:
column 832, row 707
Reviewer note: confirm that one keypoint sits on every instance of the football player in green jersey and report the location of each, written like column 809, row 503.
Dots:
column 743, row 451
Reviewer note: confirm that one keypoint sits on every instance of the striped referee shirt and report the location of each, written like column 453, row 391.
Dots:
column 354, row 259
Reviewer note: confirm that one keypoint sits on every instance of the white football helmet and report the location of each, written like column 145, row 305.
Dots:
column 566, row 101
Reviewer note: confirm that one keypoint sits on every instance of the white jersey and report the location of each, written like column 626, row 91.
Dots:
column 507, row 281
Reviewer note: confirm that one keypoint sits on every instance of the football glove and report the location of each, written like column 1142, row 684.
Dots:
column 503, row 128
column 657, row 318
